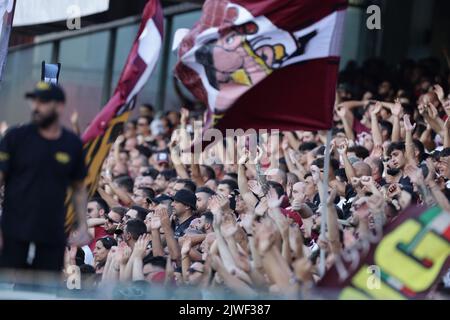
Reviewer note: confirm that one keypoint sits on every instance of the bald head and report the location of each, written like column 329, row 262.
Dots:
column 362, row 169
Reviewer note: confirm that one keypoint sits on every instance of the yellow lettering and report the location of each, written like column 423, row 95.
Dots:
column 411, row 273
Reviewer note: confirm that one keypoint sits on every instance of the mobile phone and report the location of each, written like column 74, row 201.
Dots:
column 50, row 72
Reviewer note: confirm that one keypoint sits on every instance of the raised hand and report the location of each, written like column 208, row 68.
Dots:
column 262, row 207
column 273, row 201
column 342, row 148
column 123, row 253
column 293, row 156
column 163, row 215
column 432, row 111
column 141, row 245
column 377, row 151
column 376, row 108
column 245, row 157
column 155, row 223
column 256, row 188
column 439, row 92
column 214, row 205
column 393, row 190
column 224, row 202
column 407, row 123
column 397, row 108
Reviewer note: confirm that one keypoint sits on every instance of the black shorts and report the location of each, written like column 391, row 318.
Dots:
column 46, row 257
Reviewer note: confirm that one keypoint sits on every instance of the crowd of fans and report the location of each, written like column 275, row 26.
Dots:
column 253, row 225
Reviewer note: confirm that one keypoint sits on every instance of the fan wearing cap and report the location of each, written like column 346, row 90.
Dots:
column 38, row 162
column 183, row 205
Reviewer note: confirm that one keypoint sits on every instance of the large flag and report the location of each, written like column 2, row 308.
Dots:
column 31, row 12
column 410, row 259
column 267, row 64
column 6, row 18
column 108, row 124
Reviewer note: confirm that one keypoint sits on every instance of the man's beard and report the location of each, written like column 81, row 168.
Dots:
column 393, row 171
column 44, row 122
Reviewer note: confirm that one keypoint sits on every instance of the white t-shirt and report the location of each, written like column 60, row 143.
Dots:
column 88, row 256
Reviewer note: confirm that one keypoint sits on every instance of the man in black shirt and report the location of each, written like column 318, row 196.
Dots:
column 184, row 204
column 38, row 162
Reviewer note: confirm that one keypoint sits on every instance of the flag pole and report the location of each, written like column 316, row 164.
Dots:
column 323, row 222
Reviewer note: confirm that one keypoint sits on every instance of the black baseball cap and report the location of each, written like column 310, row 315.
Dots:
column 46, row 92
column 161, row 198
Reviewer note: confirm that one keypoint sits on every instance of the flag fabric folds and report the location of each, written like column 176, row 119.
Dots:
column 108, row 124
column 410, row 258
column 6, row 19
column 269, row 64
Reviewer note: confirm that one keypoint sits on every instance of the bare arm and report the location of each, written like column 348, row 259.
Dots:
column 137, row 269
column 178, row 165
column 409, row 145
column 347, row 121
column 430, row 116
column 332, row 224
column 447, row 133
column 93, row 222
column 438, row 195
column 376, row 132
column 228, row 231
column 185, row 260
column 123, row 196
column 231, row 282
column 293, row 142
column 247, row 195
column 195, row 172
column 157, row 247
column 109, row 199
column 349, row 170
column 172, row 243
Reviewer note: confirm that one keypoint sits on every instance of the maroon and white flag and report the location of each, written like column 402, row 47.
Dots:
column 268, row 64
column 6, row 18
column 108, row 124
